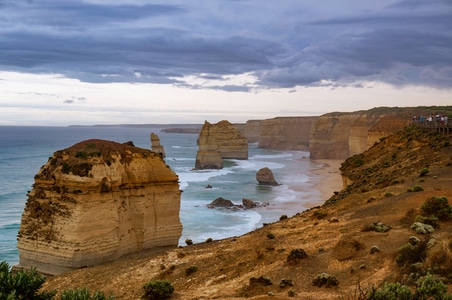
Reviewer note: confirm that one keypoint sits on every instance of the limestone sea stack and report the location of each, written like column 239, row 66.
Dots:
column 96, row 201
column 265, row 177
column 156, row 146
column 217, row 142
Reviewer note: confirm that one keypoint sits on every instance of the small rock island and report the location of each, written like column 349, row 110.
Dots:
column 96, row 201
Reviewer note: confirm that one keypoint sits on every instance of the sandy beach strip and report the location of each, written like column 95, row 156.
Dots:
column 331, row 180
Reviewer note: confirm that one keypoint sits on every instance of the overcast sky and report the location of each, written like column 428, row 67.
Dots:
column 186, row 61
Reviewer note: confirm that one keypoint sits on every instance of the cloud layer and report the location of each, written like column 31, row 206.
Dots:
column 274, row 43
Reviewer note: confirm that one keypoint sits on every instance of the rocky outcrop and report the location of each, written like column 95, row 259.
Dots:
column 219, row 141
column 286, row 133
column 96, row 201
column 155, row 145
column 265, row 177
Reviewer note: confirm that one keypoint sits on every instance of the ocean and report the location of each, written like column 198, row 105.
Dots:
column 23, row 150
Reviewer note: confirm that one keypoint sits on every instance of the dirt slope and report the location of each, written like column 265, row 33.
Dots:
column 332, row 237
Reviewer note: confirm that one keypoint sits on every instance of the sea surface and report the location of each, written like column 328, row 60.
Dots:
column 23, row 150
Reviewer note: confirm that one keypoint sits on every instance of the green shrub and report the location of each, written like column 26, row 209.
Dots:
column 190, row 270
column 320, row 214
column 283, row 217
column 324, row 278
column 423, row 172
column 410, row 254
column 393, row 291
column 432, row 220
column 416, row 188
column 439, row 207
column 188, row 242
column 430, row 286
column 81, row 154
column 209, row 240
column 83, row 294
column 24, row 284
column 271, row 236
column 158, row 290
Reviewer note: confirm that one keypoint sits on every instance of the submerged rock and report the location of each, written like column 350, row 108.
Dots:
column 96, row 201
column 221, row 202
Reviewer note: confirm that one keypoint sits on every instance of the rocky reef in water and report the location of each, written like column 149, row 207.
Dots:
column 96, row 201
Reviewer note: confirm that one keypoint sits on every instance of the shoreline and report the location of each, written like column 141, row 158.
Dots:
column 332, row 179
column 328, row 181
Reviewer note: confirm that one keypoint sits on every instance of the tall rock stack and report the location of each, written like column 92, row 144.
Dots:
column 96, row 201
column 219, row 141
column 155, row 145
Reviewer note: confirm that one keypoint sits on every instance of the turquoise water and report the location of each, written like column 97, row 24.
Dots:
column 23, row 150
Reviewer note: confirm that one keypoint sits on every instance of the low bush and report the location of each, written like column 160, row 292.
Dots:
column 410, row 254
column 438, row 206
column 190, row 270
column 423, row 172
column 188, row 242
column 23, row 284
column 325, row 279
column 416, row 188
column 83, row 294
column 391, row 290
column 158, row 290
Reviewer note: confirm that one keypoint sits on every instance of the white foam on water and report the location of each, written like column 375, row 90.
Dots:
column 187, row 176
column 255, row 165
column 243, row 221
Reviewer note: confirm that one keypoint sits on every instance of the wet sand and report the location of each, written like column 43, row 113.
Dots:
column 330, row 180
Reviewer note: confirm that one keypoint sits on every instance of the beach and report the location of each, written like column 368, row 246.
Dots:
column 332, row 179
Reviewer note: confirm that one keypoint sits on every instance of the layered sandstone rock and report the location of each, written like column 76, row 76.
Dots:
column 286, row 133
column 96, row 201
column 217, row 142
column 155, row 145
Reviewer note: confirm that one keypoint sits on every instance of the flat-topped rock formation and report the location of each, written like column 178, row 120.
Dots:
column 96, row 201
column 156, row 146
column 217, row 142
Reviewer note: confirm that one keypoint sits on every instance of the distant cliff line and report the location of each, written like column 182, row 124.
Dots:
column 335, row 135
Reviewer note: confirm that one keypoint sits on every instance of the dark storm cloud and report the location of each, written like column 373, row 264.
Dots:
column 284, row 44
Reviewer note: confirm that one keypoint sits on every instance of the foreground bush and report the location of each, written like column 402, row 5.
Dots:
column 427, row 287
column 24, row 284
column 158, row 290
column 439, row 207
column 83, row 294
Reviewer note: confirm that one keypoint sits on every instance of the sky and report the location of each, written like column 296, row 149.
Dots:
column 90, row 62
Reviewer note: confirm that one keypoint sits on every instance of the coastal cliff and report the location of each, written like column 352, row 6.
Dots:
column 220, row 141
column 96, row 201
column 286, row 133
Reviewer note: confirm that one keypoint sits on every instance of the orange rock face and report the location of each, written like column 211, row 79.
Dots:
column 96, row 201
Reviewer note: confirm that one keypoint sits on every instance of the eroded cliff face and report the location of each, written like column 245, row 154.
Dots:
column 340, row 135
column 96, row 201
column 220, row 141
column 286, row 133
